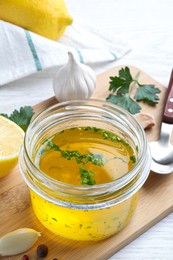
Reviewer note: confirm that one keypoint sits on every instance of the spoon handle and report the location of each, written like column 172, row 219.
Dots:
column 168, row 110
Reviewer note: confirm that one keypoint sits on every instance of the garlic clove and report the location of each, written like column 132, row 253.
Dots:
column 74, row 81
column 146, row 120
column 18, row 241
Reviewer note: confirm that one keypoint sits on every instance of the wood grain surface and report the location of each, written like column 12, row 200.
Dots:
column 155, row 200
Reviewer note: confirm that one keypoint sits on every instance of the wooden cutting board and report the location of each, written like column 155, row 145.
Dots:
column 155, row 201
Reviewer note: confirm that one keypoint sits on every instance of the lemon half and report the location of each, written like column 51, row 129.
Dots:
column 11, row 138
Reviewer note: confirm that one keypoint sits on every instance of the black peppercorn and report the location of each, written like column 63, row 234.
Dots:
column 42, row 250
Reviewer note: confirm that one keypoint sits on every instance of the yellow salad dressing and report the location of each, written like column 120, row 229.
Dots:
column 84, row 156
column 116, row 156
column 84, row 224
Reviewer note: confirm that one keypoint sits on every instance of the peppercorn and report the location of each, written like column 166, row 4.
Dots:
column 25, row 257
column 42, row 250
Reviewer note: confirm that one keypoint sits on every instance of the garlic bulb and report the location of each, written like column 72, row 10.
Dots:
column 18, row 241
column 74, row 81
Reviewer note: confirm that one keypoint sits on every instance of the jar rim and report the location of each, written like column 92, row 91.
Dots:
column 116, row 184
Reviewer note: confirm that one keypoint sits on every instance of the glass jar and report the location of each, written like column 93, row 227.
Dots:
column 84, row 212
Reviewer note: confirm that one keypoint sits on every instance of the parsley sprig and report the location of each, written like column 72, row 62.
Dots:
column 83, row 159
column 22, row 117
column 127, row 91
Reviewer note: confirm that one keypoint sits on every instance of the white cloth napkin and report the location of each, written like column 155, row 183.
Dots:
column 23, row 52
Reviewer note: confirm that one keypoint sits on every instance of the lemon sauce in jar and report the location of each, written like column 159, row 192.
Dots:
column 84, row 162
column 85, row 151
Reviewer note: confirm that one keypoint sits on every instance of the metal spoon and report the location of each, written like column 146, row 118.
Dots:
column 162, row 149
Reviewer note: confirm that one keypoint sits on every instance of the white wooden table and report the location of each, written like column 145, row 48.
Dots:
column 148, row 25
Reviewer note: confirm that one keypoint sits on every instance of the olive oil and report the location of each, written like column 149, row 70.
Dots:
column 100, row 144
column 85, row 155
column 104, row 156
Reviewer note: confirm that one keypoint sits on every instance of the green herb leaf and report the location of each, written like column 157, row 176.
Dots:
column 86, row 175
column 126, row 102
column 123, row 81
column 147, row 93
column 133, row 159
column 123, row 88
column 21, row 117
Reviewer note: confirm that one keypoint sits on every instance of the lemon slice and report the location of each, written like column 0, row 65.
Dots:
column 11, row 138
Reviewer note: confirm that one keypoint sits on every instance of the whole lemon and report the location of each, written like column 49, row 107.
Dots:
column 48, row 18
